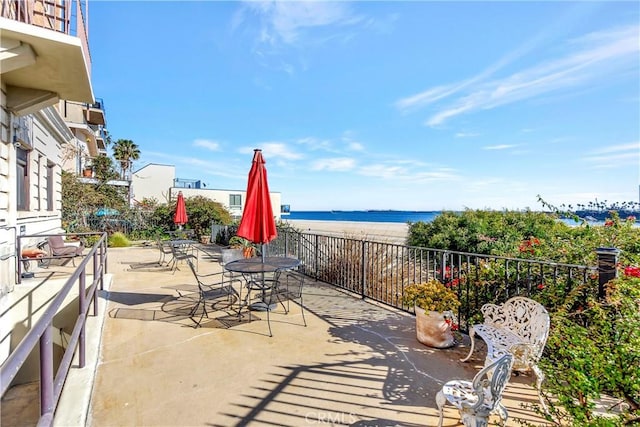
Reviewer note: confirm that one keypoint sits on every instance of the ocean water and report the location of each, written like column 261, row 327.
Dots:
column 364, row 216
column 384, row 216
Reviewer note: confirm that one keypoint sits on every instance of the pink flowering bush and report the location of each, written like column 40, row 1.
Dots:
column 594, row 343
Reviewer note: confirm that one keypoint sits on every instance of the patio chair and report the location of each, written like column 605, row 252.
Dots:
column 285, row 287
column 182, row 253
column 477, row 399
column 207, row 291
column 227, row 256
column 165, row 249
column 58, row 249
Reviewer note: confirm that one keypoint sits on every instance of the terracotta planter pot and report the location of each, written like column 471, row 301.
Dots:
column 87, row 173
column 432, row 330
column 247, row 252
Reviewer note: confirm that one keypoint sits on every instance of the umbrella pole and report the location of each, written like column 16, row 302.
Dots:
column 262, row 252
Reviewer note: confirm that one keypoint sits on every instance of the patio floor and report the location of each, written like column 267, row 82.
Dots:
column 356, row 363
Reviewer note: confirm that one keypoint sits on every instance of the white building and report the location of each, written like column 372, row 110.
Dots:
column 44, row 61
column 156, row 181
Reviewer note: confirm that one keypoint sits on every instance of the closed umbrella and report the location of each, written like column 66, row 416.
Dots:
column 180, row 216
column 257, row 224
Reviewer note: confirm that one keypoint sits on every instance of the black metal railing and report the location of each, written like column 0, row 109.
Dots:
column 40, row 335
column 380, row 271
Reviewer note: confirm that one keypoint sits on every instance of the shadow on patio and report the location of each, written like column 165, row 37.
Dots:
column 355, row 363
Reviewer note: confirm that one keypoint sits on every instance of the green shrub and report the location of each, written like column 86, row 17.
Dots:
column 119, row 240
column 593, row 348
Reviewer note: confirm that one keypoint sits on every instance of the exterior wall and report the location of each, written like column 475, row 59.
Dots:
column 152, row 181
column 7, row 234
column 48, row 134
column 223, row 197
column 156, row 181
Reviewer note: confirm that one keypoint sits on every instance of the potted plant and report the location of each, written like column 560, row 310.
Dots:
column 87, row 171
column 248, row 249
column 434, row 305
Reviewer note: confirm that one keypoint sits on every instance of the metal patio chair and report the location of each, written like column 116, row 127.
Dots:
column 208, row 291
column 57, row 248
column 182, row 253
column 477, row 399
column 165, row 249
column 285, row 286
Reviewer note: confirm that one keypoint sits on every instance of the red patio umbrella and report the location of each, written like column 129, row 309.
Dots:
column 257, row 223
column 180, row 216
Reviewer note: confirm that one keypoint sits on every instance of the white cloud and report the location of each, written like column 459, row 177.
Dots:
column 355, row 146
column 632, row 146
column 594, row 58
column 206, row 143
column 278, row 150
column 313, row 143
column 400, row 171
column 466, row 134
column 499, row 147
column 284, row 21
column 339, row 164
column 615, row 156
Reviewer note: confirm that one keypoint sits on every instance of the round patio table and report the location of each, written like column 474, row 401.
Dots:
column 255, row 265
column 258, row 265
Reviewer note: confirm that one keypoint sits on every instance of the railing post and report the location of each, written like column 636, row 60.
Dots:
column 82, row 299
column 607, row 260
column 46, row 371
column 105, row 252
column 95, row 281
column 363, row 269
column 286, row 244
column 19, row 260
column 443, row 267
column 316, row 255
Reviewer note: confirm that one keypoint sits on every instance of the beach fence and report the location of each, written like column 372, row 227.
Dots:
column 380, row 271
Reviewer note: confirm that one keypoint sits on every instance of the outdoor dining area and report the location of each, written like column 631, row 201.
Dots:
column 354, row 363
column 198, row 334
column 206, row 345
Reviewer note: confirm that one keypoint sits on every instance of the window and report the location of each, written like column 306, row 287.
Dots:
column 50, row 185
column 22, row 175
column 235, row 200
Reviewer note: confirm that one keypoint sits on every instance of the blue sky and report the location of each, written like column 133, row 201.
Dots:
column 380, row 105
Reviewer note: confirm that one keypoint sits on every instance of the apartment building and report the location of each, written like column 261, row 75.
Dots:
column 158, row 181
column 49, row 118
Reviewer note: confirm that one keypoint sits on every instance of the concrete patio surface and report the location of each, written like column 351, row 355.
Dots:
column 355, row 363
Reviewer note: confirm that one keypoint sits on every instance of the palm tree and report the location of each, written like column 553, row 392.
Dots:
column 125, row 151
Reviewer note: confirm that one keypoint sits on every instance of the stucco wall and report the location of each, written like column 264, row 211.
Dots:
column 153, row 181
column 222, row 197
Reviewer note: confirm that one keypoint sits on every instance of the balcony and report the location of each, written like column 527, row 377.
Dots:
column 95, row 113
column 41, row 61
column 356, row 363
column 101, row 138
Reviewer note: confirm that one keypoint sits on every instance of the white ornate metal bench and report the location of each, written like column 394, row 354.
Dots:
column 519, row 327
column 477, row 399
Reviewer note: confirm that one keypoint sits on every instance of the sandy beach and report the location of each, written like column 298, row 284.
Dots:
column 392, row 232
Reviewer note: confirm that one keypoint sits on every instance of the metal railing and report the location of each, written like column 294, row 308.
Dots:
column 98, row 104
column 380, row 271
column 64, row 17
column 41, row 334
